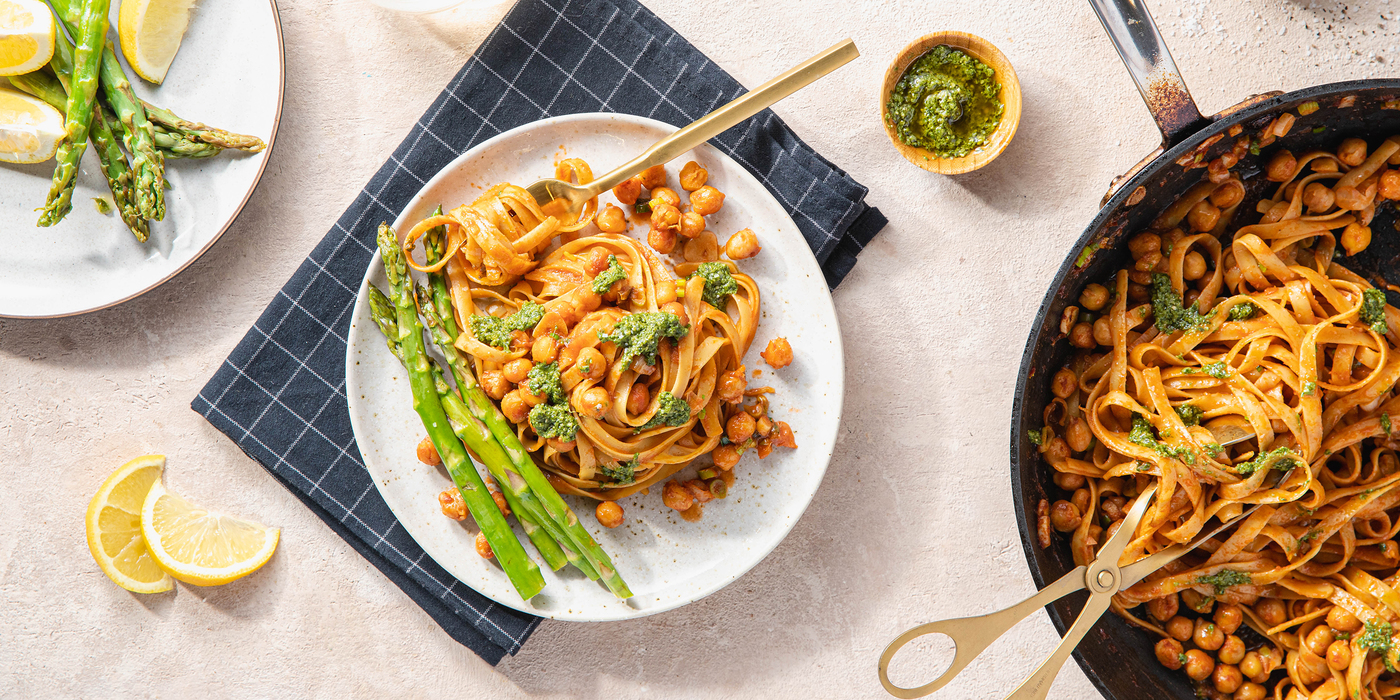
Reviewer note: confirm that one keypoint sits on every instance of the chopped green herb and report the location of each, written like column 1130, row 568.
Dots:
column 1385, row 423
column 643, row 206
column 554, row 421
column 607, row 278
column 1281, row 459
column 1254, row 148
column 1319, row 129
column 1226, row 578
column 544, row 379
column 638, row 334
column 1190, row 414
column 1219, row 370
column 496, row 331
column 1373, row 310
column 622, row 472
column 1181, row 658
column 1305, row 539
column 1142, row 434
column 1167, row 310
column 1036, row 437
column 1214, row 448
column 1344, row 636
column 669, row 411
column 1142, row 466
column 1378, row 638
column 719, row 283
column 1243, row 311
column 1309, row 388
column 1190, row 370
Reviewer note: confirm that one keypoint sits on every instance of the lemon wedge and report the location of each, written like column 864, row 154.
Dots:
column 151, row 31
column 200, row 546
column 26, row 36
column 29, row 129
column 114, row 527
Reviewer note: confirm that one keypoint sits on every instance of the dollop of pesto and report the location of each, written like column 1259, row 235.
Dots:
column 1144, row 435
column 1373, row 310
column 669, row 411
column 544, row 379
column 1190, row 414
column 1379, row 637
column 1243, row 311
column 638, row 334
column 554, row 421
column 622, row 472
column 496, row 331
column 1225, row 578
column 719, row 283
column 1168, row 312
column 1282, row 459
column 946, row 102
column 607, row 278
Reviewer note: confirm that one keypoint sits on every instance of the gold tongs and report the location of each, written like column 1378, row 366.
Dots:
column 1102, row 577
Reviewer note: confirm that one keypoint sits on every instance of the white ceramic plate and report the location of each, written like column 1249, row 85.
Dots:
column 228, row 74
column 666, row 561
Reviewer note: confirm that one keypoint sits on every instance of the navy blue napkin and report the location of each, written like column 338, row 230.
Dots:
column 281, row 394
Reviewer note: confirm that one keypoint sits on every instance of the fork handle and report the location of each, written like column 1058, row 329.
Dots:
column 972, row 635
column 751, row 103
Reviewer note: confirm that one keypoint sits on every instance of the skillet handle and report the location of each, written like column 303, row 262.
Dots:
column 1140, row 45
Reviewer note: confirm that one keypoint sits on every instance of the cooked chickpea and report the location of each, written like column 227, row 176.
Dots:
column 1356, row 238
column 519, row 340
column 638, row 398
column 740, row 427
column 1082, row 336
column 1252, row 666
column 693, row 176
column 1057, row 450
column 763, row 426
column 1341, row 619
column 742, row 245
column 1077, row 434
column 1064, row 516
column 629, row 190
column 1282, row 166
column 703, row 248
column 591, row 363
column 596, row 402
column 1207, row 635
column 1199, row 665
column 1323, row 165
column 1168, row 652
column 1352, row 152
column 612, row 219
column 778, row 354
column 1227, row 678
column 692, row 224
column 517, row 370
column 1103, row 332
column 1080, row 499
column 1138, row 293
column 561, row 445
column 662, row 240
column 515, row 408
column 677, row 309
column 483, row 547
column 676, row 496
column 731, row 386
column 1388, row 186
column 451, row 503
column 1250, row 691
column 725, row 457
column 1228, row 195
column 609, row 514
column 1064, row 383
column 1180, row 628
column 1318, row 197
column 665, row 194
column 1319, row 639
column 1193, row 267
column 545, row 350
column 1229, row 617
column 494, row 384
column 1339, row 655
column 706, row 200
column 1094, row 297
column 1203, row 217
column 596, row 262
column 1164, row 608
column 782, row 435
column 1232, row 651
column 653, row 177
column 427, row 453
column 1200, row 603
column 1145, row 244
column 1351, row 198
column 665, row 216
column 1069, row 482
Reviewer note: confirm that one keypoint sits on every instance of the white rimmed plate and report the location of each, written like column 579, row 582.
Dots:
column 228, row 74
column 666, row 561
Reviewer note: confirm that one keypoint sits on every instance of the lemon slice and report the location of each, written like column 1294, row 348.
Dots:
column 29, row 129
column 151, row 31
column 26, row 36
column 114, row 527
column 201, row 546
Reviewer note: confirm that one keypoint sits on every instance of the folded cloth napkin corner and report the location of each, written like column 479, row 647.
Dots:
column 280, row 395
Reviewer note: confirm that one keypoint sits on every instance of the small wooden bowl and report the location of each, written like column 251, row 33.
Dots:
column 982, row 50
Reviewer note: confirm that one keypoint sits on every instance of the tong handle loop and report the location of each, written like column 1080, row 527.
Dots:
column 972, row 635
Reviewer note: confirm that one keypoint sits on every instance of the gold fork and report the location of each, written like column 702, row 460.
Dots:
column 566, row 200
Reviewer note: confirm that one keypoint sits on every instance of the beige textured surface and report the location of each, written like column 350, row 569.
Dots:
column 914, row 521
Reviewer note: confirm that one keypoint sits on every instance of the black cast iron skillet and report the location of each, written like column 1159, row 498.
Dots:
column 1118, row 658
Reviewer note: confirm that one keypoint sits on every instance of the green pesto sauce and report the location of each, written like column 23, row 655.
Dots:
column 1378, row 638
column 1144, row 435
column 638, row 335
column 544, row 379
column 719, row 283
column 1282, row 459
column 946, row 102
column 554, row 421
column 622, row 472
column 496, row 331
column 1224, row 579
column 1190, row 414
column 670, row 411
column 1373, row 310
column 1168, row 312
column 607, row 278
column 1243, row 311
